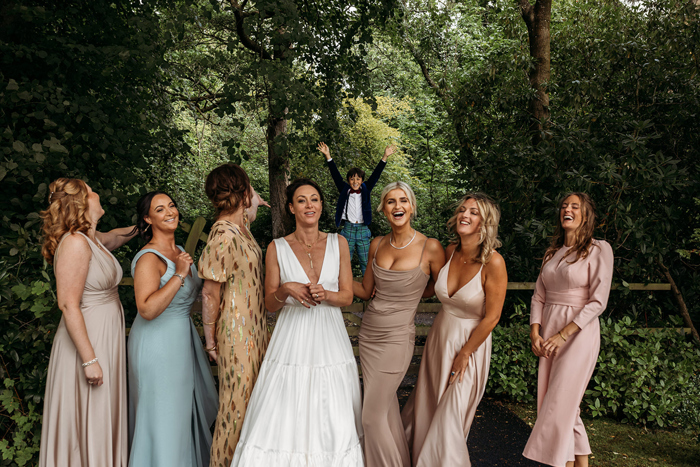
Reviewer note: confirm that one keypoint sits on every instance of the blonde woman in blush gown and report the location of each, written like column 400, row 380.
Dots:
column 85, row 404
column 402, row 265
column 571, row 292
column 455, row 364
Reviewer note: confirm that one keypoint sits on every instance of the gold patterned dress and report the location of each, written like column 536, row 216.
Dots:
column 233, row 257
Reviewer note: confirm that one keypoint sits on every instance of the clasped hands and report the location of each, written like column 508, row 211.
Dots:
column 548, row 348
column 307, row 294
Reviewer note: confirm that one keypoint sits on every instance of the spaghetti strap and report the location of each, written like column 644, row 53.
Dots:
column 377, row 249
column 423, row 250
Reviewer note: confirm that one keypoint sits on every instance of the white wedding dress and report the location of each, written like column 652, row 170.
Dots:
column 305, row 409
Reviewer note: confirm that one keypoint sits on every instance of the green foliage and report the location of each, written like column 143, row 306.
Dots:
column 695, row 237
column 643, row 376
column 513, row 372
column 81, row 95
column 646, row 376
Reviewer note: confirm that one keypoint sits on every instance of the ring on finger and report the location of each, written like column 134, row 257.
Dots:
column 452, row 374
column 315, row 295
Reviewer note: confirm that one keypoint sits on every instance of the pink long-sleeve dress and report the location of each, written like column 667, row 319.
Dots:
column 567, row 291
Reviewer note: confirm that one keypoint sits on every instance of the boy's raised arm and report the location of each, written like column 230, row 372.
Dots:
column 374, row 178
column 335, row 174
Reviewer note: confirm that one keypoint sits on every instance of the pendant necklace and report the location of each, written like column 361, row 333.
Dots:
column 309, row 247
column 402, row 247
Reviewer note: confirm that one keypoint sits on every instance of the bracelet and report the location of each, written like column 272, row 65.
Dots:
column 94, row 360
column 274, row 294
column 182, row 279
column 562, row 336
column 209, row 324
column 209, row 350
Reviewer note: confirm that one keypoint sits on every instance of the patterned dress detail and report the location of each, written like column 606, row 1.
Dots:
column 83, row 424
column 438, row 415
column 233, row 257
column 567, row 291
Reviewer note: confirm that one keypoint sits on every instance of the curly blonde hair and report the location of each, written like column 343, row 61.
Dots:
column 67, row 212
column 488, row 229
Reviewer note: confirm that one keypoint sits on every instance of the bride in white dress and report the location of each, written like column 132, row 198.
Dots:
column 305, row 409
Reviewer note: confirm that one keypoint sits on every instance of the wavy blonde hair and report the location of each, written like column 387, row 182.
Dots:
column 488, row 229
column 67, row 212
column 583, row 236
column 406, row 189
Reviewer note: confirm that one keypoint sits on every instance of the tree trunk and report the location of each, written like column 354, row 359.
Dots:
column 278, row 163
column 679, row 300
column 538, row 18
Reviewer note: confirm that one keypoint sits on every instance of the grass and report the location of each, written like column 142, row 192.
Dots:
column 619, row 444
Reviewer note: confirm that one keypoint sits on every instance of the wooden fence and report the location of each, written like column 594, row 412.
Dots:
column 352, row 313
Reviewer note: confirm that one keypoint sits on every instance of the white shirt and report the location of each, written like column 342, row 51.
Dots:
column 353, row 209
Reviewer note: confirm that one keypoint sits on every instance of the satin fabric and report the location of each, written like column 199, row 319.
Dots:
column 567, row 291
column 83, row 424
column 387, row 337
column 172, row 394
column 305, row 407
column 439, row 415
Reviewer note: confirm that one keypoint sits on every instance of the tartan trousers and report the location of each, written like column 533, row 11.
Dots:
column 358, row 237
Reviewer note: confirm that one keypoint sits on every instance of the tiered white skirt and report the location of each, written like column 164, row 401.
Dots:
column 305, row 409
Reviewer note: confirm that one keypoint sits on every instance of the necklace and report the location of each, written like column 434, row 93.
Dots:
column 309, row 246
column 402, row 247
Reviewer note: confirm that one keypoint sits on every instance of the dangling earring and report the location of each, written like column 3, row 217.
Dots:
column 147, row 226
column 245, row 218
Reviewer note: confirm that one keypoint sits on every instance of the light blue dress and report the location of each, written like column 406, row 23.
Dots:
column 172, row 395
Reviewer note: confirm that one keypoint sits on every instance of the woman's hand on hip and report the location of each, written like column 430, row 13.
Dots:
column 93, row 374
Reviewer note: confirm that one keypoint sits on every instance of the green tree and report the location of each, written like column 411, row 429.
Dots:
column 295, row 63
column 81, row 95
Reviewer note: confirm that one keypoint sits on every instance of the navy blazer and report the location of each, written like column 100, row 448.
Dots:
column 344, row 192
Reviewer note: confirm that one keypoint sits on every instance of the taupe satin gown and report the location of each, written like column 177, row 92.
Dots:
column 387, row 338
column 438, row 415
column 86, row 425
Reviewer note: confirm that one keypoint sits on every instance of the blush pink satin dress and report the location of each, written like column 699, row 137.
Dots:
column 438, row 415
column 567, row 292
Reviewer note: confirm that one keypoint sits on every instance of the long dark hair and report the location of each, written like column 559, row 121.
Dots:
column 583, row 237
column 142, row 208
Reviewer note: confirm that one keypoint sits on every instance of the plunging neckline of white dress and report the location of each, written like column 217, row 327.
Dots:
column 323, row 263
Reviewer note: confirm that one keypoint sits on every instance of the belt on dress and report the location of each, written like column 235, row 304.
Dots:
column 576, row 298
